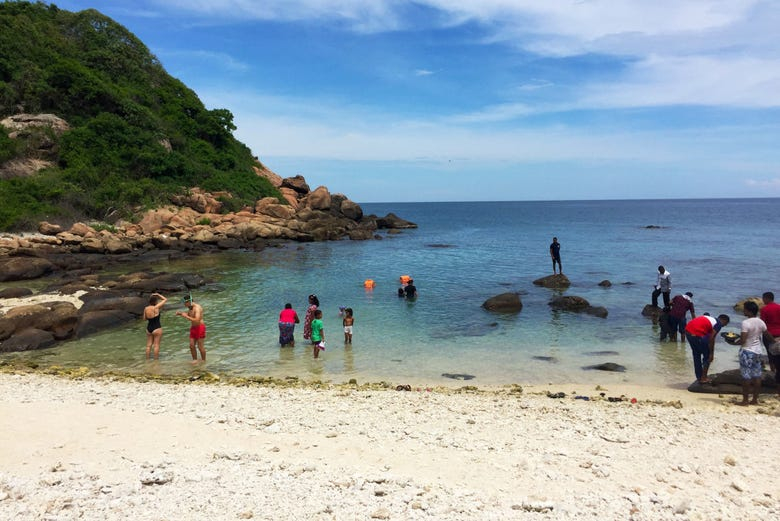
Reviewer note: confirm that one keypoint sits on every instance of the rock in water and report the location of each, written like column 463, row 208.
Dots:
column 607, row 366
column 557, row 281
column 458, row 376
column 504, row 303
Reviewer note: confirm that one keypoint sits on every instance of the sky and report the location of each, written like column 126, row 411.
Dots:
column 486, row 100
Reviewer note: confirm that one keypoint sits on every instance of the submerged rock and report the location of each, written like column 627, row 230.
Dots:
column 458, row 376
column 504, row 303
column 569, row 303
column 607, row 366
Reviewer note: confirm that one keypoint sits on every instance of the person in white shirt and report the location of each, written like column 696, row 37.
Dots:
column 663, row 285
column 750, row 353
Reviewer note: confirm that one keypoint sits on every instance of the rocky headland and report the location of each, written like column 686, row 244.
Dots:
column 78, row 299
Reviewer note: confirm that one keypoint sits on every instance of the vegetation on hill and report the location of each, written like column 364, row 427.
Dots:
column 137, row 134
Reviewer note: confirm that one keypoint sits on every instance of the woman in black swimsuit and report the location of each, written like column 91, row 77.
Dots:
column 153, row 326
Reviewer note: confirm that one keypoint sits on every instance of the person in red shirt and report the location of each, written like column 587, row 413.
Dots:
column 770, row 314
column 701, row 333
column 681, row 304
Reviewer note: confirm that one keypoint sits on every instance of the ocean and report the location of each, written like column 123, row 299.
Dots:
column 462, row 254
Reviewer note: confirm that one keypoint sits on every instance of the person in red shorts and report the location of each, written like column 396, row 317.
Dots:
column 197, row 327
column 770, row 314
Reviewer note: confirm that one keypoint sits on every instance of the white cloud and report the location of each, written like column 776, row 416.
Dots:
column 331, row 130
column 698, row 80
column 423, row 72
column 771, row 184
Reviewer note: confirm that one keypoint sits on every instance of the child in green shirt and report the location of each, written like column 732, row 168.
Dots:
column 317, row 333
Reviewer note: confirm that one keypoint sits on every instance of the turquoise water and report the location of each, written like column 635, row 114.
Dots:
column 462, row 254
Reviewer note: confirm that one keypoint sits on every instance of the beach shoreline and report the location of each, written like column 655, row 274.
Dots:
column 107, row 448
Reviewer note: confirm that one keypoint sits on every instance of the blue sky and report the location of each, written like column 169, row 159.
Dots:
column 462, row 100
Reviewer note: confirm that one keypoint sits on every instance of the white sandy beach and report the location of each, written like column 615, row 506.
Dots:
column 102, row 449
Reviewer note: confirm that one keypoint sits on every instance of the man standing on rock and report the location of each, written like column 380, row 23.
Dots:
column 663, row 285
column 555, row 254
column 197, row 327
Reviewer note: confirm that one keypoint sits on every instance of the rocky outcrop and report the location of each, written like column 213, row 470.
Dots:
column 391, row 220
column 194, row 223
column 35, row 132
column 23, row 268
column 557, row 281
column 297, row 184
column 120, row 300
column 21, row 123
column 37, row 326
column 504, row 303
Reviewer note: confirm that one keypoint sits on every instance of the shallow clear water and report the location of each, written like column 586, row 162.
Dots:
column 462, row 254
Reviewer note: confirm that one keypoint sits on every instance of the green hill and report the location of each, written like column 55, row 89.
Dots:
column 137, row 135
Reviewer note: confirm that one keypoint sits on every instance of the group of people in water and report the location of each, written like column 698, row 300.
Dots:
column 313, row 328
column 759, row 337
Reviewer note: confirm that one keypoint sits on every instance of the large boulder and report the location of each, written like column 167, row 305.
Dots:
column 739, row 307
column 57, row 317
column 47, row 228
column 556, row 281
column 94, row 321
column 319, row 199
column 27, row 340
column 82, row 230
column 271, row 207
column 23, row 317
column 730, row 382
column 504, row 303
column 92, row 245
column 116, row 246
column 24, row 268
column 351, row 210
column 297, row 183
column 15, row 292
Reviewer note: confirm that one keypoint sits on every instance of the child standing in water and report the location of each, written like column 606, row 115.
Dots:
column 317, row 333
column 348, row 321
